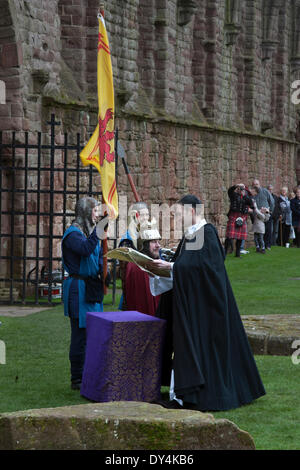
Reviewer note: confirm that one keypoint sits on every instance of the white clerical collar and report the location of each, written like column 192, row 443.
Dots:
column 194, row 228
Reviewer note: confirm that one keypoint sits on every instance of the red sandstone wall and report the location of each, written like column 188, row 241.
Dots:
column 202, row 96
column 210, row 161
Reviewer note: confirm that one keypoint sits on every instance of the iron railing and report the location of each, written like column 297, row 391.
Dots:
column 37, row 181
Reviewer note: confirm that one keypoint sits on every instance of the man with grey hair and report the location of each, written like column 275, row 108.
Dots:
column 265, row 199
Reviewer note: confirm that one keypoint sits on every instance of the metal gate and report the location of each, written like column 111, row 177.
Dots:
column 41, row 178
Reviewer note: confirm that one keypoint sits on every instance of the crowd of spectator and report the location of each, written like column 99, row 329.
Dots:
column 274, row 218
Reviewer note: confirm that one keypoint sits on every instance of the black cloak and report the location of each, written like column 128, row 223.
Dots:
column 214, row 368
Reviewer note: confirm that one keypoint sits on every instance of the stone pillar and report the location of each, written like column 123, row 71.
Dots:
column 162, row 53
column 185, row 11
column 2, row 92
column 295, row 56
column 233, row 21
column 147, row 47
column 298, row 166
column 270, row 28
column 73, row 39
column 199, row 58
column 211, row 63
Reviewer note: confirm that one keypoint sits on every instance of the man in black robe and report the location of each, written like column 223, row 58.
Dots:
column 214, row 368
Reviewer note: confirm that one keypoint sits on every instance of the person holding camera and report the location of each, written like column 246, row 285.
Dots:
column 241, row 205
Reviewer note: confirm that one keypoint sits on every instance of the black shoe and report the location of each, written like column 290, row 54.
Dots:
column 174, row 405
column 75, row 385
column 190, row 406
column 171, row 405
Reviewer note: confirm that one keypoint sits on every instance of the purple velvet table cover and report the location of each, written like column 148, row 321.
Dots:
column 123, row 357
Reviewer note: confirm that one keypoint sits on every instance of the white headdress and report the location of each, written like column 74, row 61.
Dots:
column 149, row 231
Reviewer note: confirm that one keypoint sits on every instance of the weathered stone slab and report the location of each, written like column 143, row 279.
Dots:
column 118, row 426
column 272, row 334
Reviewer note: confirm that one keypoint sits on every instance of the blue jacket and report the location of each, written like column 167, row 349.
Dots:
column 81, row 256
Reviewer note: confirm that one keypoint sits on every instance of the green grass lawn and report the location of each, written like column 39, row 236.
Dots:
column 36, row 373
column 268, row 283
column 274, row 419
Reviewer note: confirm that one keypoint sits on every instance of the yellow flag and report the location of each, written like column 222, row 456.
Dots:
column 100, row 150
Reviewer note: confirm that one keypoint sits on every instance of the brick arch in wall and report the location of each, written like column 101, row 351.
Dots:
column 11, row 113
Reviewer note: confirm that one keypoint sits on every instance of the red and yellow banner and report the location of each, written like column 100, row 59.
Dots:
column 100, row 150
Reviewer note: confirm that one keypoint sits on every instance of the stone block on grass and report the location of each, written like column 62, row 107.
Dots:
column 119, row 426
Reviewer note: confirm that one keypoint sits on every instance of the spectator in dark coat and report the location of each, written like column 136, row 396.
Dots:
column 275, row 215
column 295, row 207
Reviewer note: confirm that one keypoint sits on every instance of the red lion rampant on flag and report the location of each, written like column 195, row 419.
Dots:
column 104, row 137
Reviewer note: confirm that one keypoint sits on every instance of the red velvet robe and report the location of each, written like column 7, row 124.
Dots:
column 137, row 291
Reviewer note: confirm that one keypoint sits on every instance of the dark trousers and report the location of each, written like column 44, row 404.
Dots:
column 229, row 244
column 268, row 233
column 284, row 234
column 297, row 233
column 275, row 232
column 259, row 241
column 77, row 350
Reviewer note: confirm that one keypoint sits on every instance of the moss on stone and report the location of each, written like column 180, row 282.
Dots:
column 117, row 426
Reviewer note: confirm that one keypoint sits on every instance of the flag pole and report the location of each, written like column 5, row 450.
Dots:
column 121, row 153
column 136, row 196
column 104, row 241
column 99, row 151
column 101, row 9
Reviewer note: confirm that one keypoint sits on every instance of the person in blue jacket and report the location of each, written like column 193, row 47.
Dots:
column 83, row 289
